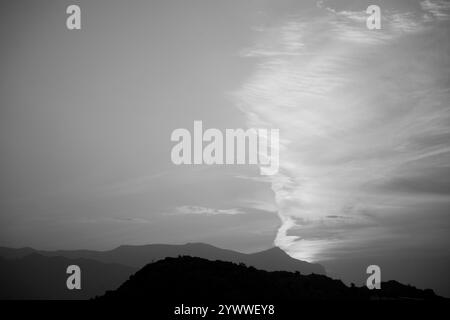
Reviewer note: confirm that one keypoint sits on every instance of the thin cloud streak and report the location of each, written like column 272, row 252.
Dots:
column 197, row 210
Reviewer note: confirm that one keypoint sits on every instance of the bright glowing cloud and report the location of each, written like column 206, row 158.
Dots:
column 359, row 111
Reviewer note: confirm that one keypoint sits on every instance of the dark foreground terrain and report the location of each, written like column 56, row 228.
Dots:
column 190, row 279
column 179, row 274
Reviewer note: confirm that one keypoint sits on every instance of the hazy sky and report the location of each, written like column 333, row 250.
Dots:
column 87, row 116
column 364, row 119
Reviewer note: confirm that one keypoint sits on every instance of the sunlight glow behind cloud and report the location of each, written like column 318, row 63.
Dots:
column 359, row 111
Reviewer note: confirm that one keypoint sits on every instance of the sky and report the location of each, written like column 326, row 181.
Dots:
column 364, row 117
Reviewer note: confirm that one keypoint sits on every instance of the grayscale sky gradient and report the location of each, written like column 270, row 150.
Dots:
column 364, row 119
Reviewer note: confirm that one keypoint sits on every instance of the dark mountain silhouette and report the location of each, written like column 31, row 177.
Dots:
column 13, row 253
column 190, row 279
column 38, row 277
column 273, row 259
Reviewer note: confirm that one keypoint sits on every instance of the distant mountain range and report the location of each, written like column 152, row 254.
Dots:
column 38, row 277
column 194, row 271
column 138, row 256
column 27, row 273
column 195, row 280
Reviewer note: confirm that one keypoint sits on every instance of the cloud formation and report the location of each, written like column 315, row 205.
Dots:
column 364, row 124
column 197, row 210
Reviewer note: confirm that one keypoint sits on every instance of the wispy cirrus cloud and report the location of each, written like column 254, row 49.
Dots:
column 364, row 118
column 439, row 10
column 198, row 210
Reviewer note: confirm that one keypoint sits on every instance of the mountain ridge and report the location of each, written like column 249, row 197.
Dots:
column 137, row 256
column 38, row 277
column 192, row 280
